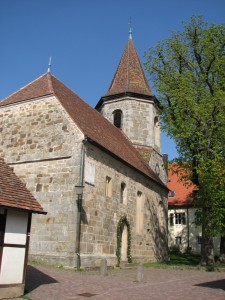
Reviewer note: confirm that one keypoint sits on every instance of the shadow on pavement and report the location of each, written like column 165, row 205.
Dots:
column 217, row 284
column 35, row 278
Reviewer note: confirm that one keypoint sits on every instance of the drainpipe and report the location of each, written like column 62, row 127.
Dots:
column 79, row 205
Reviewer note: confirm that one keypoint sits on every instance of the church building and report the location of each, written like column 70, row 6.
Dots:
column 97, row 172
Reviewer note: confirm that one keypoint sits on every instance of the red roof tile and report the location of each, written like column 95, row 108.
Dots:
column 183, row 191
column 37, row 88
column 14, row 194
column 91, row 122
column 129, row 76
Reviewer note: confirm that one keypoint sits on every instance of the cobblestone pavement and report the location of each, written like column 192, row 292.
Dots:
column 48, row 283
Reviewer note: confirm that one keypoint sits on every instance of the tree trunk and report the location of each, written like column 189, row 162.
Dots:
column 207, row 252
column 222, row 249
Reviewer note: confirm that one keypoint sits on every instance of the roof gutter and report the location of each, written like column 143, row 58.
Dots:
column 24, row 209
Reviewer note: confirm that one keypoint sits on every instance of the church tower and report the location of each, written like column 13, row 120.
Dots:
column 130, row 105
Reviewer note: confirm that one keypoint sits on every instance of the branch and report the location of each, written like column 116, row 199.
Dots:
column 196, row 54
column 207, row 74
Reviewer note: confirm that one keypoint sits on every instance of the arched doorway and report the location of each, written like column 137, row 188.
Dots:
column 123, row 251
column 124, row 244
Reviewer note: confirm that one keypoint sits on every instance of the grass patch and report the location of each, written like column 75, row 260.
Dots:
column 185, row 261
column 178, row 260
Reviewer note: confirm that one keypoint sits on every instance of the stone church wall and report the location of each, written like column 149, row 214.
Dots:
column 139, row 124
column 138, row 119
column 43, row 145
column 102, row 214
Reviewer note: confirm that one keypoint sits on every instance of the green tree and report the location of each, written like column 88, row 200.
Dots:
column 188, row 72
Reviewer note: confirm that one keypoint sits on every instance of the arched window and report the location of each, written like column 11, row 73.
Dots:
column 157, row 133
column 108, row 187
column 139, row 213
column 117, row 118
column 123, row 193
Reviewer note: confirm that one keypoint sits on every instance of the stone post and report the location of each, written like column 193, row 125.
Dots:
column 140, row 273
column 103, row 267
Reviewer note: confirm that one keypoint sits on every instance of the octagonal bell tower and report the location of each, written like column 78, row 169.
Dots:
column 130, row 105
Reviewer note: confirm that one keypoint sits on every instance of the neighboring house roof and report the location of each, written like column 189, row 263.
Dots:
column 183, row 191
column 91, row 122
column 13, row 192
column 129, row 76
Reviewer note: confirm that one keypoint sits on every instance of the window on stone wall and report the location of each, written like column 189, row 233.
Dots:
column 180, row 218
column 157, row 132
column 139, row 213
column 108, row 187
column 117, row 118
column 123, row 193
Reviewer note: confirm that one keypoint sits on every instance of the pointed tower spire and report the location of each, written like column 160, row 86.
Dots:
column 130, row 105
column 129, row 76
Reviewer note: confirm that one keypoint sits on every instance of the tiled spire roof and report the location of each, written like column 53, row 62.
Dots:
column 14, row 194
column 92, row 123
column 129, row 76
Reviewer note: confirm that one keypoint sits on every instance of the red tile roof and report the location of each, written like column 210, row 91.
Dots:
column 91, row 122
column 14, row 194
column 183, row 191
column 129, row 76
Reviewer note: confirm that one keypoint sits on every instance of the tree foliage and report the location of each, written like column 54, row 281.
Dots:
column 188, row 72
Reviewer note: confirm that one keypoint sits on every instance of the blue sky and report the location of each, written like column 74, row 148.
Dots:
column 86, row 39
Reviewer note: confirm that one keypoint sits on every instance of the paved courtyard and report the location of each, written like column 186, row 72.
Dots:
column 48, row 283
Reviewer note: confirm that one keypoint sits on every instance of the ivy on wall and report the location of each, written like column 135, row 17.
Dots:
column 120, row 226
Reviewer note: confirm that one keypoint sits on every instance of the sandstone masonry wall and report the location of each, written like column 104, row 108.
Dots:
column 138, row 120
column 43, row 145
column 102, row 213
column 138, row 124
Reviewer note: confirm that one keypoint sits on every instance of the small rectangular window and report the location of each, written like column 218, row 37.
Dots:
column 199, row 240
column 171, row 220
column 108, row 187
column 171, row 194
column 180, row 218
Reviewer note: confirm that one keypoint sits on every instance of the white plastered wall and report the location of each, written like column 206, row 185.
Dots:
column 182, row 230
column 13, row 257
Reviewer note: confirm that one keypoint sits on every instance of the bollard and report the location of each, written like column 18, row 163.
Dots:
column 140, row 273
column 103, row 267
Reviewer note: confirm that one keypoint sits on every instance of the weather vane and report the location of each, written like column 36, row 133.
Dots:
column 49, row 65
column 130, row 31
